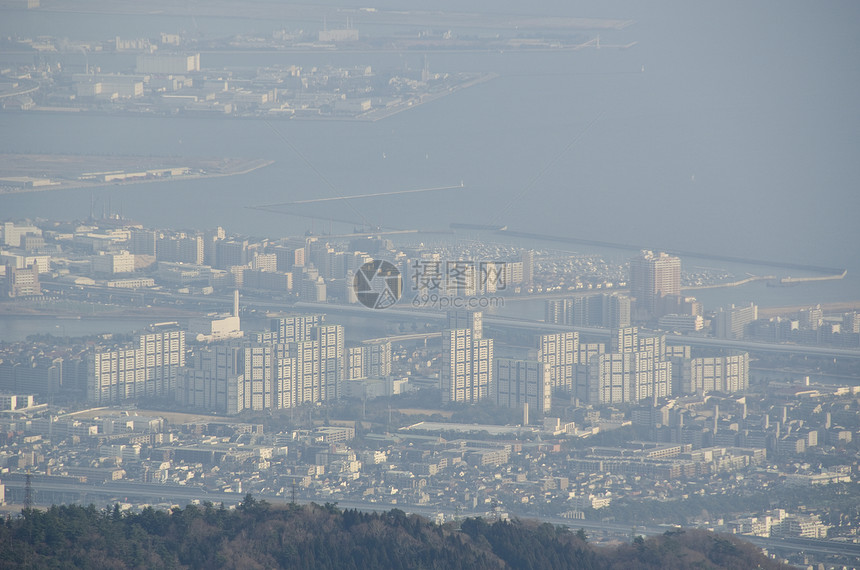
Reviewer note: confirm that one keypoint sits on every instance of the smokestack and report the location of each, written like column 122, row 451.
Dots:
column 526, row 414
column 236, row 303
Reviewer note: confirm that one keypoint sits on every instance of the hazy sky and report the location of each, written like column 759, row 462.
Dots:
column 740, row 135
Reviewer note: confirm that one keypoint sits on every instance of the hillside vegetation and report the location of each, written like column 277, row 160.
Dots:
column 259, row 535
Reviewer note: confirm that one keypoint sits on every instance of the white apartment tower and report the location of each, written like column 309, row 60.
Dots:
column 653, row 277
column 147, row 370
column 467, row 360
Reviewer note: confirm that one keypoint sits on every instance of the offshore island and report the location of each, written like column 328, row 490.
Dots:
column 38, row 172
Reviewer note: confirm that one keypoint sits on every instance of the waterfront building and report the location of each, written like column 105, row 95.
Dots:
column 528, row 260
column 653, row 277
column 851, row 323
column 811, row 317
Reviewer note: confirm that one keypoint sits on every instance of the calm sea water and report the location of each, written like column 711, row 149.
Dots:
column 725, row 129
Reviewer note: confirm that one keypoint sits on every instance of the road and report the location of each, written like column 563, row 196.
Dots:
column 142, row 297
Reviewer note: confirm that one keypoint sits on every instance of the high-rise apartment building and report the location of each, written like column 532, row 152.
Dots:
column 230, row 253
column 147, row 370
column 528, row 260
column 633, row 369
column 296, row 328
column 558, row 353
column 464, row 319
column 717, row 374
column 142, row 242
column 731, row 322
column 653, row 277
column 627, row 377
column 300, row 361
column 467, row 360
column 320, row 365
column 371, row 360
column 599, row 310
column 520, row 382
column 211, row 381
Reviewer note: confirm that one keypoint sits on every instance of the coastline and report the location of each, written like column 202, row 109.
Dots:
column 236, row 167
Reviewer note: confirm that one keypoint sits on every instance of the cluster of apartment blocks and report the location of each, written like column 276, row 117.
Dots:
column 635, row 367
column 300, row 360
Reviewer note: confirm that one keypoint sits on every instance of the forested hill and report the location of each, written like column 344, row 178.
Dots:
column 258, row 535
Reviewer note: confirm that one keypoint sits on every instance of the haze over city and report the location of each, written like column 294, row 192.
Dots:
column 588, row 263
